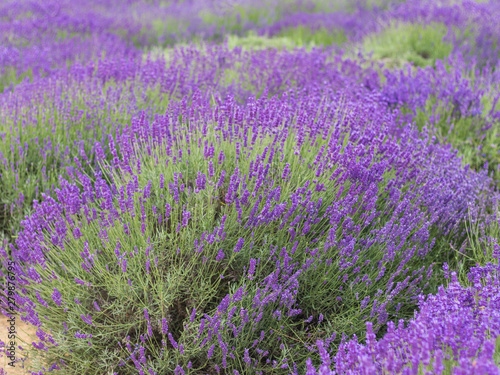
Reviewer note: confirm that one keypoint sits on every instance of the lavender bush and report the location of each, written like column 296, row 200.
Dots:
column 99, row 98
column 268, row 203
column 458, row 329
column 352, row 257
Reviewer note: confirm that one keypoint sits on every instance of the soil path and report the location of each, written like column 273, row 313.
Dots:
column 25, row 334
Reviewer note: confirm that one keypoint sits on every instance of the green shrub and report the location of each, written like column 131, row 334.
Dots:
column 322, row 37
column 9, row 77
column 401, row 43
column 474, row 137
column 253, row 41
column 141, row 262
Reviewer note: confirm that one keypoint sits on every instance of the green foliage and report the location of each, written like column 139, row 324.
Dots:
column 229, row 18
column 304, row 36
column 475, row 138
column 65, row 127
column 400, row 43
column 349, row 6
column 479, row 249
column 497, row 350
column 9, row 77
column 254, row 42
column 64, row 34
column 167, row 32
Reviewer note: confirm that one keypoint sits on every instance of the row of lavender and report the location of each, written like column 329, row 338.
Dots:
column 94, row 100
column 354, row 214
column 38, row 37
column 301, row 215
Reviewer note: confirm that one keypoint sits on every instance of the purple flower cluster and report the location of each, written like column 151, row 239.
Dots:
column 367, row 189
column 218, row 210
column 39, row 44
column 459, row 325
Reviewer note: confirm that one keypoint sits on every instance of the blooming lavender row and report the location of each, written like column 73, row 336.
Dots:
column 221, row 210
column 43, row 42
column 39, row 38
column 459, row 324
column 89, row 102
column 98, row 98
column 303, row 209
column 362, row 20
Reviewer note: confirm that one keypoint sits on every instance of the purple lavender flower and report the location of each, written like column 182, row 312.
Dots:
column 239, row 245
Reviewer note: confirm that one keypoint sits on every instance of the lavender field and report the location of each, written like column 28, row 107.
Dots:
column 250, row 187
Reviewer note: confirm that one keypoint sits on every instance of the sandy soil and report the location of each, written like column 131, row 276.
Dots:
column 24, row 336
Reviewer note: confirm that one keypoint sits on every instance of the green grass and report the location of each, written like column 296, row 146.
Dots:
column 255, row 42
column 478, row 250
column 348, row 6
column 322, row 37
column 290, row 38
column 10, row 77
column 64, row 35
column 401, row 43
column 231, row 17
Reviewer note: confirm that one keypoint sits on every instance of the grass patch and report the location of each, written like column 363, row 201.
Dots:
column 254, row 42
column 322, row 37
column 10, row 77
column 400, row 43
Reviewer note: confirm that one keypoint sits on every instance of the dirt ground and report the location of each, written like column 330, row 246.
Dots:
column 24, row 332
